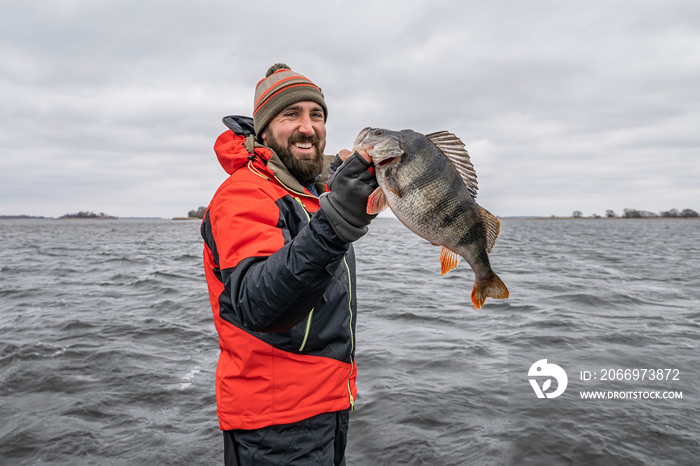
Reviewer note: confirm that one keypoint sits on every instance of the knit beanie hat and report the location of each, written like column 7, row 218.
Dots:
column 280, row 88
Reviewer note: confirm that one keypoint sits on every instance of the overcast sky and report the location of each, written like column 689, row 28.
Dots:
column 114, row 106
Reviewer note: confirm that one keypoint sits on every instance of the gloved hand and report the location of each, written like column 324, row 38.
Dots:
column 333, row 166
column 345, row 204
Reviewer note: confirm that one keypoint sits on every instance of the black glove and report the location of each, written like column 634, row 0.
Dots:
column 337, row 161
column 345, row 204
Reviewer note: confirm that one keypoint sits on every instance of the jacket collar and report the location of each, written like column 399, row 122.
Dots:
column 231, row 156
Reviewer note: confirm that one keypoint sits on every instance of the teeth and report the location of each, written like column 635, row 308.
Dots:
column 303, row 145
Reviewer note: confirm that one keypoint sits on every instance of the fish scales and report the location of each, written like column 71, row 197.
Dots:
column 421, row 191
column 430, row 184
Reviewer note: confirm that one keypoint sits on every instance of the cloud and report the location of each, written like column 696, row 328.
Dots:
column 114, row 106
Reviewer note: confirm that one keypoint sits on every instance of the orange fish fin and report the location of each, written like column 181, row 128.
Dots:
column 492, row 227
column 376, row 202
column 494, row 288
column 448, row 259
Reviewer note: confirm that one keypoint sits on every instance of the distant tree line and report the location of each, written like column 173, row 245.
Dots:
column 198, row 213
column 634, row 213
column 82, row 214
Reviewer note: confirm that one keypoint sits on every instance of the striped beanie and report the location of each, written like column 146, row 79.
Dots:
column 280, row 88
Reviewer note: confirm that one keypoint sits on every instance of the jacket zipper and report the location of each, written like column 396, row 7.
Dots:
column 352, row 335
column 308, row 317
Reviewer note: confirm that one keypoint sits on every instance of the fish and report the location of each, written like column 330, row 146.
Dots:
column 429, row 183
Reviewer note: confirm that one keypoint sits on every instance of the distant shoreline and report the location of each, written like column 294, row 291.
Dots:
column 608, row 218
column 86, row 218
column 516, row 217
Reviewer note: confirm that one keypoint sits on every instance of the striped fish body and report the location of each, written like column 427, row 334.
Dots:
column 429, row 183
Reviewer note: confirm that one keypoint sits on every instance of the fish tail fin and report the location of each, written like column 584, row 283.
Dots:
column 493, row 288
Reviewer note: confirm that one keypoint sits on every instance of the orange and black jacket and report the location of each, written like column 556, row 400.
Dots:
column 282, row 290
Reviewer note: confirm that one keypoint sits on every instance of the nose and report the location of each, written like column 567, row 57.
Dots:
column 305, row 126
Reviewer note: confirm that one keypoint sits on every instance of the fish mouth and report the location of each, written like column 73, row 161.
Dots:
column 385, row 161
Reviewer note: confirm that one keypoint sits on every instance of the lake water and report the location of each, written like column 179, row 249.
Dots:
column 108, row 348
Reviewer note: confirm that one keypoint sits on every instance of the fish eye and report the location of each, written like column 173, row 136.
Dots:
column 379, row 132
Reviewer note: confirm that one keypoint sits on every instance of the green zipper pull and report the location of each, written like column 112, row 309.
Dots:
column 306, row 333
column 308, row 217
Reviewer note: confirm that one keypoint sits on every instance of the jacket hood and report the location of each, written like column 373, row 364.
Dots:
column 233, row 147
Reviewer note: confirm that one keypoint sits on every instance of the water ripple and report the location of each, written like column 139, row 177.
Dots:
column 108, row 349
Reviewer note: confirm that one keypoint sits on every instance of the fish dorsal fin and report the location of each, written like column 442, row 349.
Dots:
column 453, row 148
column 492, row 227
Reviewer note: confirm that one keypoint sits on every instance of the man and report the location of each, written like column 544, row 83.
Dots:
column 280, row 269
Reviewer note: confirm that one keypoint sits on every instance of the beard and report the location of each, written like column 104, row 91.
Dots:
column 304, row 170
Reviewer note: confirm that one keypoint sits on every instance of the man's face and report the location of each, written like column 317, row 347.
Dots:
column 298, row 136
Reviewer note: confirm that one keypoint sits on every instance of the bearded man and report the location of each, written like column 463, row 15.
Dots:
column 280, row 269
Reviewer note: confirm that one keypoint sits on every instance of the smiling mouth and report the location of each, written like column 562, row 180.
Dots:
column 303, row 145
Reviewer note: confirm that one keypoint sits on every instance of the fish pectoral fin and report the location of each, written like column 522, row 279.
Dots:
column 376, row 202
column 391, row 184
column 448, row 259
column 395, row 190
column 492, row 227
